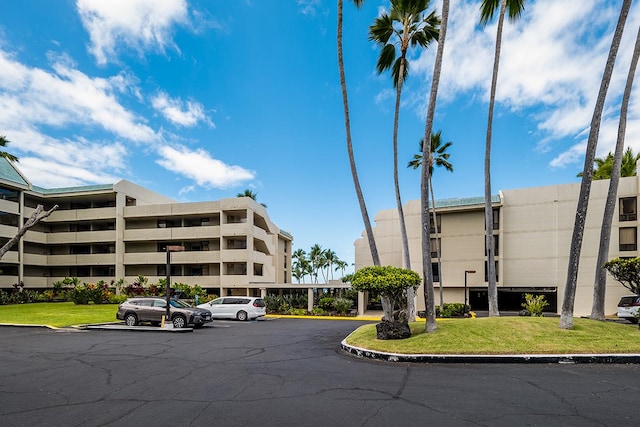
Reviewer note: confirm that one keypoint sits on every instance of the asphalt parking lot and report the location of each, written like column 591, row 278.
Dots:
column 285, row 372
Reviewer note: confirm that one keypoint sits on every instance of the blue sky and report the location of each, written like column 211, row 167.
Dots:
column 200, row 100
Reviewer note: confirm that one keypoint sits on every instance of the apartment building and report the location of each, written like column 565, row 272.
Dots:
column 122, row 230
column 532, row 235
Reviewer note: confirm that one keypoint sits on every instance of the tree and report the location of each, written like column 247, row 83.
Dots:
column 37, row 216
column 347, row 124
column 250, row 194
column 626, row 271
column 392, row 284
column 487, row 10
column 600, row 282
column 316, row 260
column 301, row 266
column 440, row 158
column 407, row 24
column 566, row 313
column 603, row 166
column 3, row 143
column 427, row 273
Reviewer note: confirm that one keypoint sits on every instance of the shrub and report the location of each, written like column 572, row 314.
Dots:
column 342, row 305
column 317, row 311
column 454, row 309
column 534, row 304
column 326, row 303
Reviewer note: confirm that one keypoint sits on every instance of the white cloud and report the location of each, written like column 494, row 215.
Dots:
column 202, row 168
column 552, row 61
column 172, row 110
column 35, row 97
column 308, row 7
column 134, row 24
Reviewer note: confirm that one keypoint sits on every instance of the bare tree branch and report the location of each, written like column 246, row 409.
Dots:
column 35, row 218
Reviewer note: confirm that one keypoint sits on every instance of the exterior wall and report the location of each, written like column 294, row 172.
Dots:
column 534, row 232
column 120, row 231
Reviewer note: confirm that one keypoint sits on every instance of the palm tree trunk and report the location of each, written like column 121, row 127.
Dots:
column 347, row 124
column 599, row 288
column 566, row 314
column 437, row 234
column 403, row 228
column 492, row 289
column 427, row 274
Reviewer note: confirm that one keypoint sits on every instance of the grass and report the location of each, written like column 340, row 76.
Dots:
column 506, row 335
column 57, row 314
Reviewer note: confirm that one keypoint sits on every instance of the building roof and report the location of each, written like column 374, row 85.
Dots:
column 66, row 190
column 465, row 201
column 8, row 172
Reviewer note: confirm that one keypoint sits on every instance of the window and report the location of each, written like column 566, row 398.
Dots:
column 628, row 209
column 496, row 219
column 496, row 245
column 438, row 221
column 486, row 275
column 435, row 245
column 435, row 271
column 628, row 238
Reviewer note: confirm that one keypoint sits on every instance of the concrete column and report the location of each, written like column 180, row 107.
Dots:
column 310, row 299
column 361, row 304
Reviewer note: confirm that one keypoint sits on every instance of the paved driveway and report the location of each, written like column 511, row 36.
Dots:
column 285, row 372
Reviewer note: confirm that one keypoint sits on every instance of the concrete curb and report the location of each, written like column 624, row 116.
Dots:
column 20, row 325
column 292, row 316
column 121, row 327
column 490, row 358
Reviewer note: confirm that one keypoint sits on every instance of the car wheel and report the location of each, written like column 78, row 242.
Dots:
column 179, row 322
column 242, row 315
column 632, row 319
column 130, row 319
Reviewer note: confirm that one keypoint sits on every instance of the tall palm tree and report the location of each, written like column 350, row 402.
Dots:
column 3, row 143
column 487, row 10
column 347, row 124
column 406, row 24
column 600, row 283
column 439, row 158
column 330, row 258
column 427, row 273
column 316, row 260
column 566, row 313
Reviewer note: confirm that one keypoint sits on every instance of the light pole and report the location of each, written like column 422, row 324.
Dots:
column 170, row 248
column 465, row 287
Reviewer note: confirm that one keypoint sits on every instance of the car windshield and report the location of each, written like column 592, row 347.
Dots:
column 179, row 303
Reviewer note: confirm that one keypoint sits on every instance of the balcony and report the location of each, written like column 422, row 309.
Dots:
column 160, row 258
column 91, row 214
column 81, row 259
column 82, row 237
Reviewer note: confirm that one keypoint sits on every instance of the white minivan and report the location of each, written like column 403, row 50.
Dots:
column 241, row 308
column 628, row 308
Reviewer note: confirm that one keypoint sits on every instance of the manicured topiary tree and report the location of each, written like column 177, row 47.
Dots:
column 626, row 271
column 392, row 284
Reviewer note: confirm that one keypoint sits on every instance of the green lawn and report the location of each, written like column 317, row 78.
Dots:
column 57, row 313
column 506, row 335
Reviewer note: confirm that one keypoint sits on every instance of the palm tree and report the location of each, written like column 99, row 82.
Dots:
column 340, row 265
column 604, row 165
column 487, row 10
column 347, row 124
column 599, row 287
column 427, row 273
column 315, row 258
column 440, row 158
column 405, row 25
column 250, row 194
column 3, row 143
column 330, row 258
column 566, row 313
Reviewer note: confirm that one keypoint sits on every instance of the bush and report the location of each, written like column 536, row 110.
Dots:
column 342, row 305
column 534, row 305
column 454, row 309
column 326, row 303
column 317, row 311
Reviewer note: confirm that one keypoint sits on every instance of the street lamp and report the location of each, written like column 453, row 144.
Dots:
column 170, row 248
column 465, row 287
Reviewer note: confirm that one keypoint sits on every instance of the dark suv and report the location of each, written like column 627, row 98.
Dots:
column 153, row 309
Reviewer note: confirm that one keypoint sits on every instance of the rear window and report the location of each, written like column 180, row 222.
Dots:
column 259, row 303
column 627, row 301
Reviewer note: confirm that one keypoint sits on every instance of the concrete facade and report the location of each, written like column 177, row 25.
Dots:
column 121, row 230
column 533, row 234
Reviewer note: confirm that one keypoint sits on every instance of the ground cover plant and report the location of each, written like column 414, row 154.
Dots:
column 506, row 335
column 57, row 314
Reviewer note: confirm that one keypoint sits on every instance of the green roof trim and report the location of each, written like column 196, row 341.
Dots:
column 466, row 201
column 9, row 173
column 79, row 189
